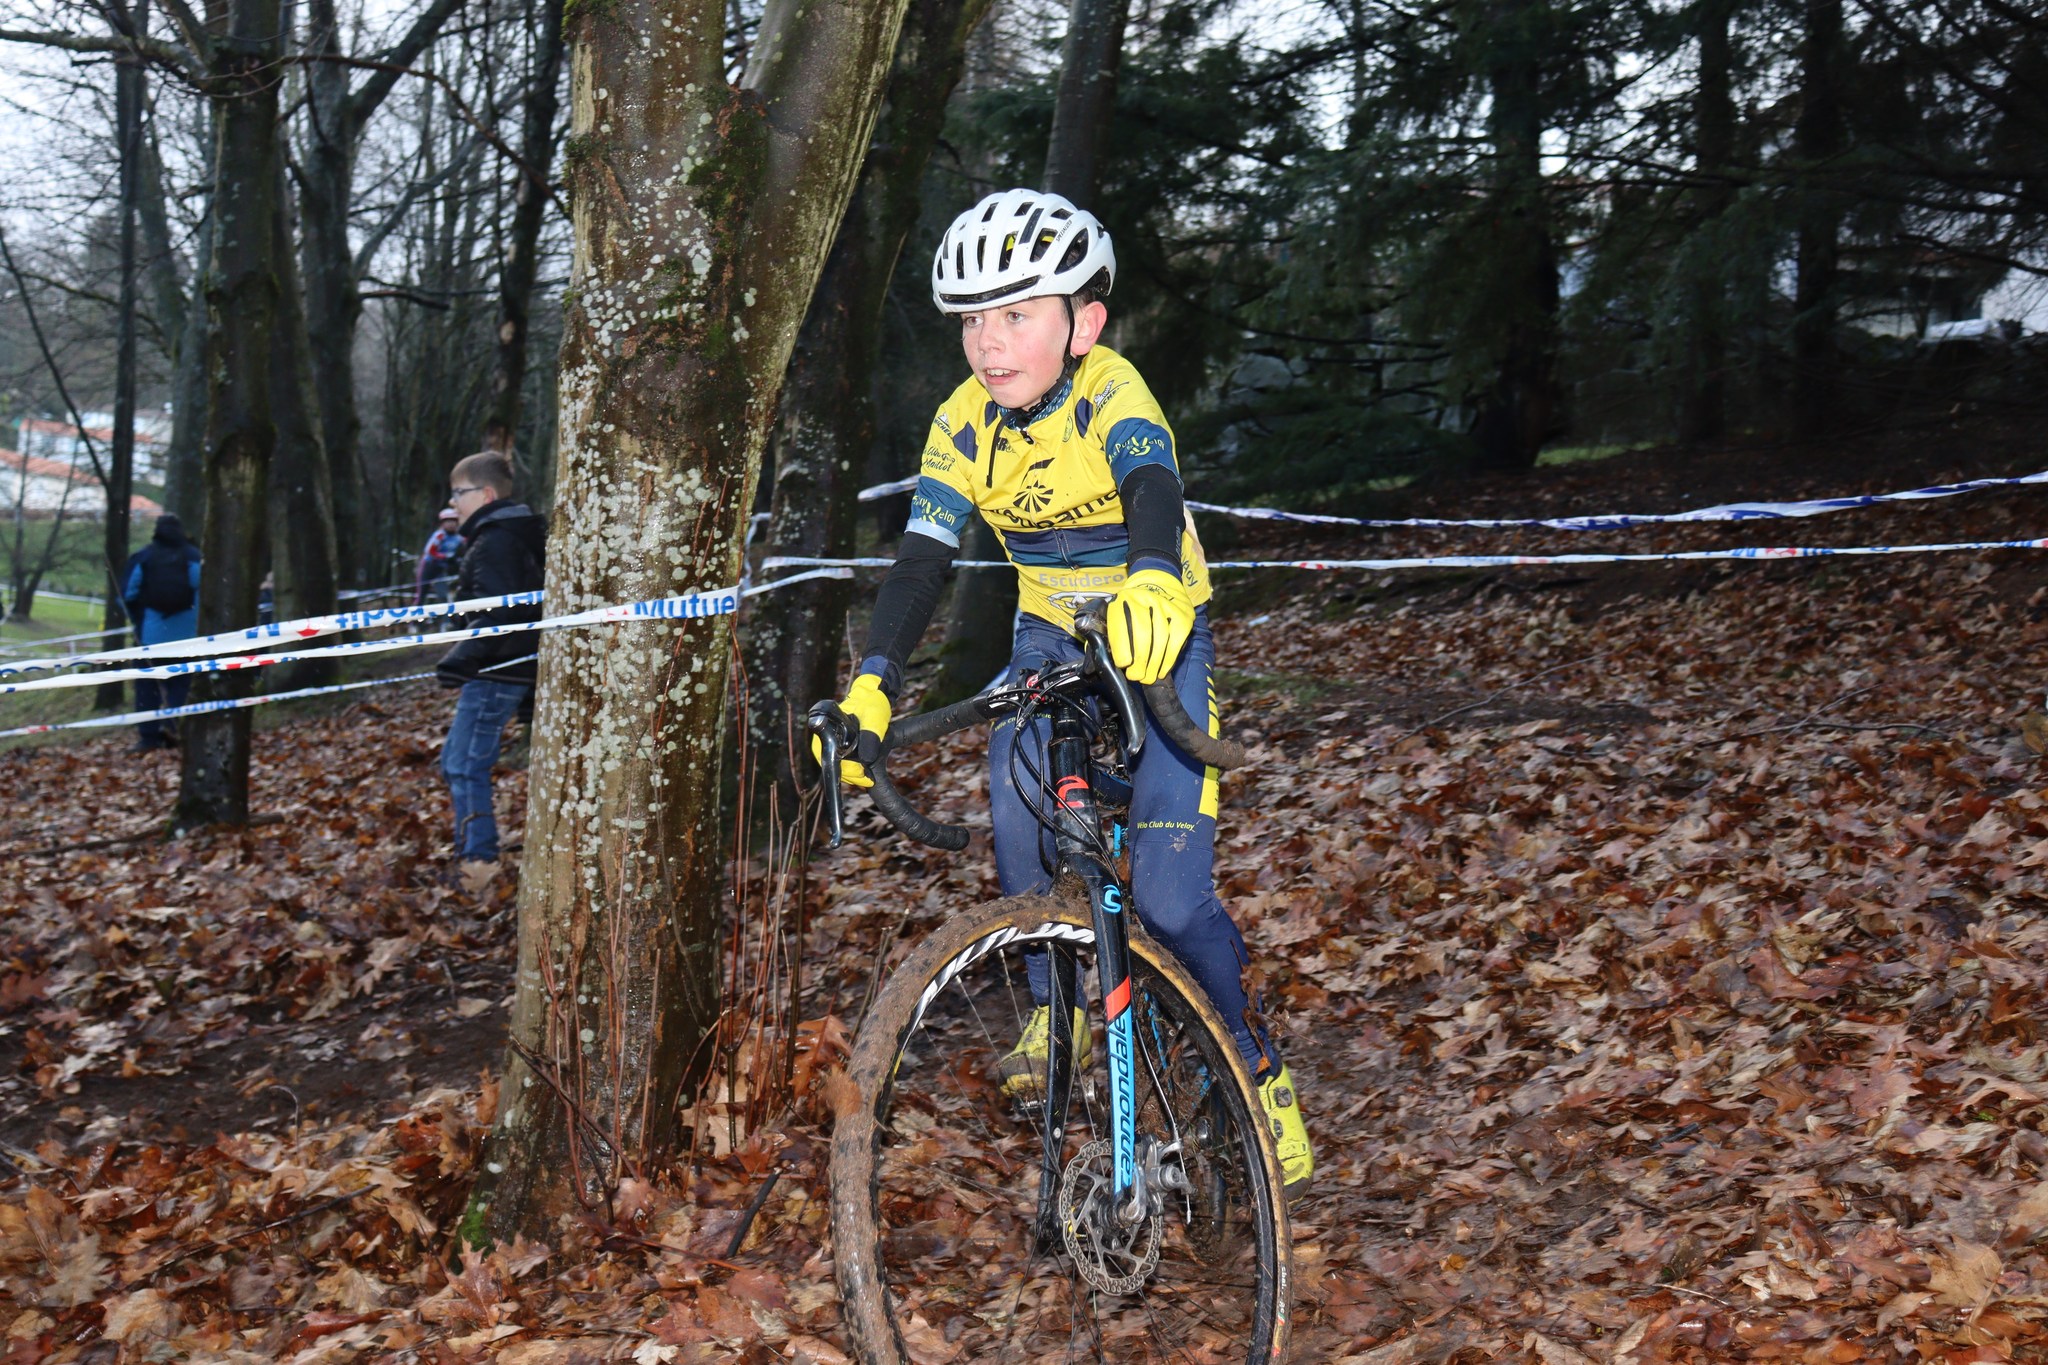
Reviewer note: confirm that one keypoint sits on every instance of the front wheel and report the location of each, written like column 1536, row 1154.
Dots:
column 937, row 1238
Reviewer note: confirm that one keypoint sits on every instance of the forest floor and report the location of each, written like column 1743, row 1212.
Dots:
column 1660, row 951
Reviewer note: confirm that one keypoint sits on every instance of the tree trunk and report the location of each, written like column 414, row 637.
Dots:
column 185, row 461
column 828, row 414
column 1082, row 110
column 1818, row 138
column 1703, row 407
column 978, row 633
column 334, row 304
column 522, row 244
column 152, row 214
column 242, row 290
column 702, row 216
column 301, row 513
column 181, row 319
column 1518, row 412
column 336, row 115
column 121, row 458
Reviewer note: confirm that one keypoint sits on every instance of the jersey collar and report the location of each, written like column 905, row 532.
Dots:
column 1047, row 404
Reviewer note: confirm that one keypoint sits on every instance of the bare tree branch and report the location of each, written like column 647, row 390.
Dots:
column 108, row 44
column 461, row 106
column 398, row 58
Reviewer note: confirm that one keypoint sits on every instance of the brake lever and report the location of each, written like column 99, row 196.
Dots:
column 835, row 731
column 1091, row 625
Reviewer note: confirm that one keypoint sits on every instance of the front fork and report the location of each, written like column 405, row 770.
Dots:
column 1076, row 836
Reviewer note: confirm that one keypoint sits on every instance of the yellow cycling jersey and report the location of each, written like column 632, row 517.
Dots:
column 1049, row 488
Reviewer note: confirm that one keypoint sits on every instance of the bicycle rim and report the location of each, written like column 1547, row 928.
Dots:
column 936, row 1176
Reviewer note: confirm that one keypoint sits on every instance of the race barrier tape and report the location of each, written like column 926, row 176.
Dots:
column 886, row 490
column 27, row 646
column 23, row 646
column 198, row 646
column 1510, row 561
column 869, row 562
column 199, row 707
column 1728, row 511
column 690, row 606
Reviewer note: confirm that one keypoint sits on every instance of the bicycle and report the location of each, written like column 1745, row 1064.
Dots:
column 1137, row 1212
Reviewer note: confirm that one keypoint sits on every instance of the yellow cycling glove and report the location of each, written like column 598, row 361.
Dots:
column 1148, row 623
column 869, row 707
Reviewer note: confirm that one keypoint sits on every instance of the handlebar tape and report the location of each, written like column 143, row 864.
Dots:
column 1164, row 704
column 909, row 819
column 930, row 725
column 920, row 729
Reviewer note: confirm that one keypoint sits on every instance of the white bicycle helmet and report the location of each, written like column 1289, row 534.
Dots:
column 1018, row 244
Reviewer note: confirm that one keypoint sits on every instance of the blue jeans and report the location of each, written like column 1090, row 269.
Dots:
column 1172, row 828
column 160, row 694
column 474, row 737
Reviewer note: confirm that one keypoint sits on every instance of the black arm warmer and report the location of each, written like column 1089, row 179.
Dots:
column 904, row 606
column 1154, row 513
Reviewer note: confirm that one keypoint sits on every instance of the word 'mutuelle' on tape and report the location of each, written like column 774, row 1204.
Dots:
column 1615, row 521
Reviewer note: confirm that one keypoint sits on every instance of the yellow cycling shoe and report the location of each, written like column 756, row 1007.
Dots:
column 1282, row 1103
column 1022, row 1072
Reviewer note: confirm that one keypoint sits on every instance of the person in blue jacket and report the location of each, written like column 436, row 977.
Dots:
column 162, row 597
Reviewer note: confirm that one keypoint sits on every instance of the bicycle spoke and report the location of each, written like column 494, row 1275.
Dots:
column 957, row 1186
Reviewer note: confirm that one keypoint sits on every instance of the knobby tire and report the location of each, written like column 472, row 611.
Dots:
column 927, row 1232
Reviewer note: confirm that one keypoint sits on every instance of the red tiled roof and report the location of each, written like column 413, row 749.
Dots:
column 104, row 435
column 50, row 428
column 40, row 468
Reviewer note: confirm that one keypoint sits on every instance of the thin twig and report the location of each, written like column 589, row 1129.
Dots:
column 497, row 144
column 546, row 1072
column 1815, row 713
column 1848, row 725
column 1497, row 695
column 233, row 1237
column 87, row 845
column 57, row 377
column 83, row 846
column 1811, row 721
column 754, row 1206
column 15, row 1155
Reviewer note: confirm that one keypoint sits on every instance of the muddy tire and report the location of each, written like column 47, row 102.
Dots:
column 935, row 1175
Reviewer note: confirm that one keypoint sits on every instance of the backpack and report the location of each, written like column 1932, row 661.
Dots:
column 166, row 581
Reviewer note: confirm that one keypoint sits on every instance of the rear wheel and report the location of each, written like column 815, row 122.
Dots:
column 936, row 1175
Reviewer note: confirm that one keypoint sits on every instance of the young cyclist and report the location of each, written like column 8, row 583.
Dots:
column 1056, row 442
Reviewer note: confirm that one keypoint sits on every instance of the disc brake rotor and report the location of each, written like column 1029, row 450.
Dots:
column 1111, row 1256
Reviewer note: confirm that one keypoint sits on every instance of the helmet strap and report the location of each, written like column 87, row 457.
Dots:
column 1069, row 362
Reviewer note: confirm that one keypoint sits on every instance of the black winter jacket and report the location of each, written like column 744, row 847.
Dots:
column 504, row 547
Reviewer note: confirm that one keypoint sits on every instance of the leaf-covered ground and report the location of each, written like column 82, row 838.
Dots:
column 1660, row 952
